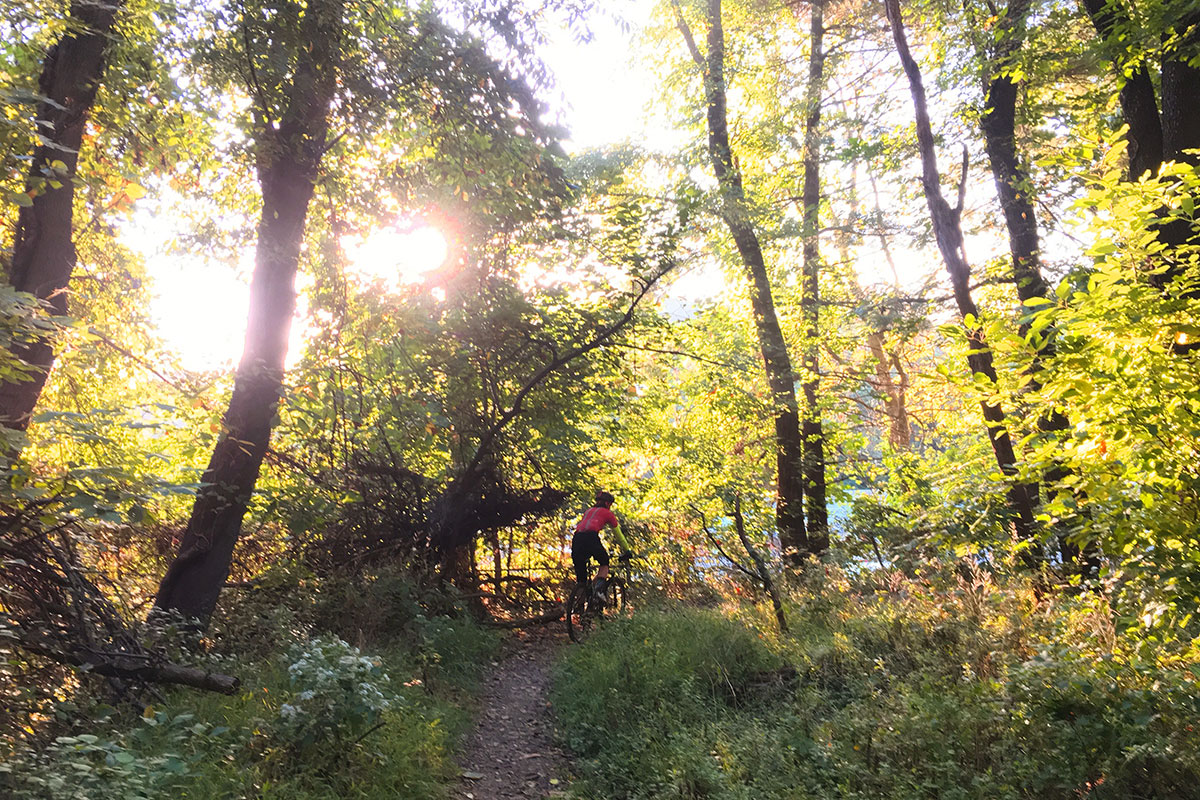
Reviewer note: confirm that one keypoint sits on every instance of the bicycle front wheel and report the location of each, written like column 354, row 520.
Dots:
column 616, row 595
column 581, row 619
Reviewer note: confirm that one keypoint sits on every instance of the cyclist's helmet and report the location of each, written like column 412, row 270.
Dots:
column 604, row 499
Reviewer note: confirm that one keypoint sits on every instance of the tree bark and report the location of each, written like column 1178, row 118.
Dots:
column 43, row 256
column 1138, row 103
column 1154, row 139
column 948, row 233
column 1180, row 93
column 893, row 392
column 289, row 157
column 781, row 379
column 816, row 516
column 999, row 133
column 1012, row 182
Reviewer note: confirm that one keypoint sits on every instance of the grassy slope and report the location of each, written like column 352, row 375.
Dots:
column 949, row 689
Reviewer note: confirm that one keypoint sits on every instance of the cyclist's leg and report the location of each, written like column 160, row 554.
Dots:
column 579, row 560
column 602, row 573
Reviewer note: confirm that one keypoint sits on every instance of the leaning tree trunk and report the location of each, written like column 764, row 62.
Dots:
column 891, row 391
column 289, row 157
column 817, row 516
column 43, row 255
column 948, row 232
column 1012, row 187
column 781, row 378
column 760, row 566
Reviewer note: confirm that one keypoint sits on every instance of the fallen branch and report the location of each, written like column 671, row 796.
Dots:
column 139, row 667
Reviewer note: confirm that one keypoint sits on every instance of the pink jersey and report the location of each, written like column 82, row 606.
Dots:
column 595, row 518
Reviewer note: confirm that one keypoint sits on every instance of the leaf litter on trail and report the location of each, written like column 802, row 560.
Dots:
column 511, row 755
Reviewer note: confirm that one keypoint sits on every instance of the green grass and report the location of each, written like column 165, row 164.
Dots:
column 958, row 692
column 409, row 757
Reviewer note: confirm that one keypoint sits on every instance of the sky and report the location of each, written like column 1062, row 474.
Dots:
column 602, row 100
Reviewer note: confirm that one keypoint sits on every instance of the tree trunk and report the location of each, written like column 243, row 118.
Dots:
column 43, row 256
column 1012, row 188
column 817, row 517
column 1153, row 139
column 1180, row 93
column 289, row 157
column 948, row 232
column 781, row 378
column 999, row 133
column 893, row 393
column 1138, row 103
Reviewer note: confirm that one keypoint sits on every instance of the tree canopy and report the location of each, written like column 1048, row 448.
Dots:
column 891, row 290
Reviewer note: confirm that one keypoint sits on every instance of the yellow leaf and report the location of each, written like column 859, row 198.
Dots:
column 134, row 191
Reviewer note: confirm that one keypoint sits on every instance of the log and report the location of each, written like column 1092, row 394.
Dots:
column 167, row 672
column 142, row 668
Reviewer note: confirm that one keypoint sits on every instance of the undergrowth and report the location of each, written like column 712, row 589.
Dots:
column 941, row 688
column 350, row 690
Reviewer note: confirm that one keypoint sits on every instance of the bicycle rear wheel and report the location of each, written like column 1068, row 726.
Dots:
column 581, row 620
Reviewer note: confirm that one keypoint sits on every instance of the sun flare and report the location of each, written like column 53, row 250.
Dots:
column 200, row 311
column 396, row 257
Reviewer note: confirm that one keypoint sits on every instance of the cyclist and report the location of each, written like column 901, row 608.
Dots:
column 585, row 544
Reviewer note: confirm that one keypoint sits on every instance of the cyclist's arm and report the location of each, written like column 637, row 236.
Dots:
column 621, row 540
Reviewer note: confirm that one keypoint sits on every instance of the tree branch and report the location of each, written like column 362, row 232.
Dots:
column 681, row 23
column 669, row 352
column 600, row 339
column 717, row 544
column 962, row 182
column 760, row 563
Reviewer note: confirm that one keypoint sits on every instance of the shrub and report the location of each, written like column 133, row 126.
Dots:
column 337, row 696
column 320, row 719
column 156, row 759
column 642, row 701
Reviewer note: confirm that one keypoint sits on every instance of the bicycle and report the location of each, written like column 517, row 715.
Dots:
column 586, row 608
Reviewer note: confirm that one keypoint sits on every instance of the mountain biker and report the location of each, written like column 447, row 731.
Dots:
column 585, row 544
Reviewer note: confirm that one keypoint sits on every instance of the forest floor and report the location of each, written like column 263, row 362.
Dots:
column 511, row 753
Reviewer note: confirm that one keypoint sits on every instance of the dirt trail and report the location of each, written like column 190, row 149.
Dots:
column 511, row 753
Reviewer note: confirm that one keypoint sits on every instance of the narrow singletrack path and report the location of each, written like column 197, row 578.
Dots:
column 511, row 753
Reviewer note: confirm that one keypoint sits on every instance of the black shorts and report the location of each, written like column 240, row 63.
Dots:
column 585, row 545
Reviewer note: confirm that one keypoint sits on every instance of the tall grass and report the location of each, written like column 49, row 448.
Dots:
column 942, row 688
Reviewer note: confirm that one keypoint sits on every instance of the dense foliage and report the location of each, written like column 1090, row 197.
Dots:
column 911, row 409
column 319, row 717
